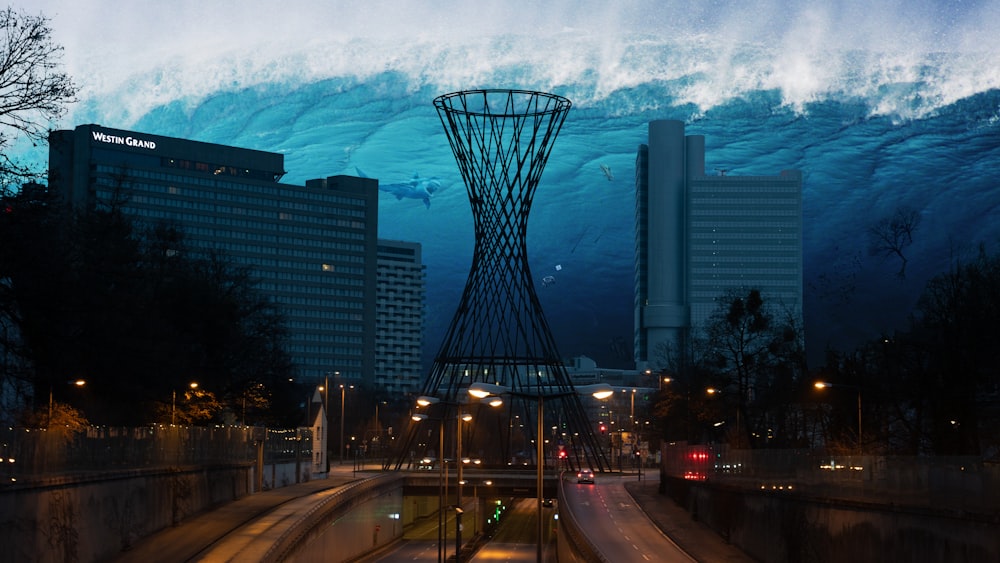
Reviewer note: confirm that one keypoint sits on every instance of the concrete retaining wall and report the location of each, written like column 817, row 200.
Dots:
column 358, row 523
column 81, row 519
column 782, row 526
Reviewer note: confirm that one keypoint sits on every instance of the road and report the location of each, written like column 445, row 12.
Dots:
column 613, row 522
column 420, row 543
column 617, row 527
column 514, row 540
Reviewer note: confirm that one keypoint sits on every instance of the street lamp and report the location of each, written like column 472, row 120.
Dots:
column 325, row 389
column 475, row 496
column 173, row 401
column 77, row 382
column 824, row 385
column 660, row 379
column 485, row 390
column 343, row 390
column 420, row 417
column 424, row 401
column 739, row 437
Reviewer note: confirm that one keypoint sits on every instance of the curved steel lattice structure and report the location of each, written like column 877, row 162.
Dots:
column 501, row 140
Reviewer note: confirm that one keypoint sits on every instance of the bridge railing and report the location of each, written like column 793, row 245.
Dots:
column 31, row 455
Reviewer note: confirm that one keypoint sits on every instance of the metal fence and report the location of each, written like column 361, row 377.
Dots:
column 949, row 483
column 31, row 455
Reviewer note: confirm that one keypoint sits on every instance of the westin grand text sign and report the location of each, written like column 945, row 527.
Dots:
column 102, row 137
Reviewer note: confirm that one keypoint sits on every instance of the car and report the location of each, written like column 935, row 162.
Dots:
column 547, row 502
column 585, row 476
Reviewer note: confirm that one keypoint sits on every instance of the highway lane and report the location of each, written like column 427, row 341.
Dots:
column 515, row 540
column 616, row 525
column 420, row 543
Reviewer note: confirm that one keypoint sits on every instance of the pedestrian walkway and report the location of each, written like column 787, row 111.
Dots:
column 696, row 538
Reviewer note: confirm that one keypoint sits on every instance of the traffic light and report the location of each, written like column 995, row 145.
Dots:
column 604, row 429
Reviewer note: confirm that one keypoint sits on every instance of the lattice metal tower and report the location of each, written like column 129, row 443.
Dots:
column 501, row 140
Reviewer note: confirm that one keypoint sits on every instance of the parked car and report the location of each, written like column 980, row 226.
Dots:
column 585, row 476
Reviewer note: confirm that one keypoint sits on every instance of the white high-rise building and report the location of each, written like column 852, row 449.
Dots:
column 399, row 314
column 699, row 236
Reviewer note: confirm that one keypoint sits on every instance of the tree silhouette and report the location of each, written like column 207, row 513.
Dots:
column 891, row 235
column 140, row 315
column 33, row 93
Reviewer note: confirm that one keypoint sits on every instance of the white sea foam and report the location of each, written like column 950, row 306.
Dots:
column 905, row 58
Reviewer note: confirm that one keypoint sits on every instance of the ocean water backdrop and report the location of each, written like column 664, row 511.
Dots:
column 882, row 105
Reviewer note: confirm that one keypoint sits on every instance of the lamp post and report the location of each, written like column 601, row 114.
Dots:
column 78, row 383
column 739, row 437
column 326, row 418
column 459, row 463
column 660, row 379
column 420, row 417
column 475, row 496
column 824, row 385
column 424, row 401
column 343, row 391
column 484, row 390
column 173, row 402
column 376, row 441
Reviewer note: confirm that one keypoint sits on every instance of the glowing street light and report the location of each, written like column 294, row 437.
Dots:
column 173, row 402
column 343, row 390
column 426, row 401
column 77, row 383
column 824, row 385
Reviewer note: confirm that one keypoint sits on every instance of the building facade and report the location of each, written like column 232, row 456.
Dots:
column 699, row 236
column 312, row 248
column 399, row 327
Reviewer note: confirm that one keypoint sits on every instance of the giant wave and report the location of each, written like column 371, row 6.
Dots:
column 881, row 106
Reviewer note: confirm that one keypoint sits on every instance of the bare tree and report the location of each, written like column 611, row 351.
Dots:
column 891, row 235
column 33, row 91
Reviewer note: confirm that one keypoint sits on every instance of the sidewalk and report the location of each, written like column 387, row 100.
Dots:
column 696, row 538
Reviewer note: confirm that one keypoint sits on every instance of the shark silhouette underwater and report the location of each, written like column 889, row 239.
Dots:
column 417, row 188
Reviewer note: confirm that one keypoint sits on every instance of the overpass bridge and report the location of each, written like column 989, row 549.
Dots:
column 510, row 484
